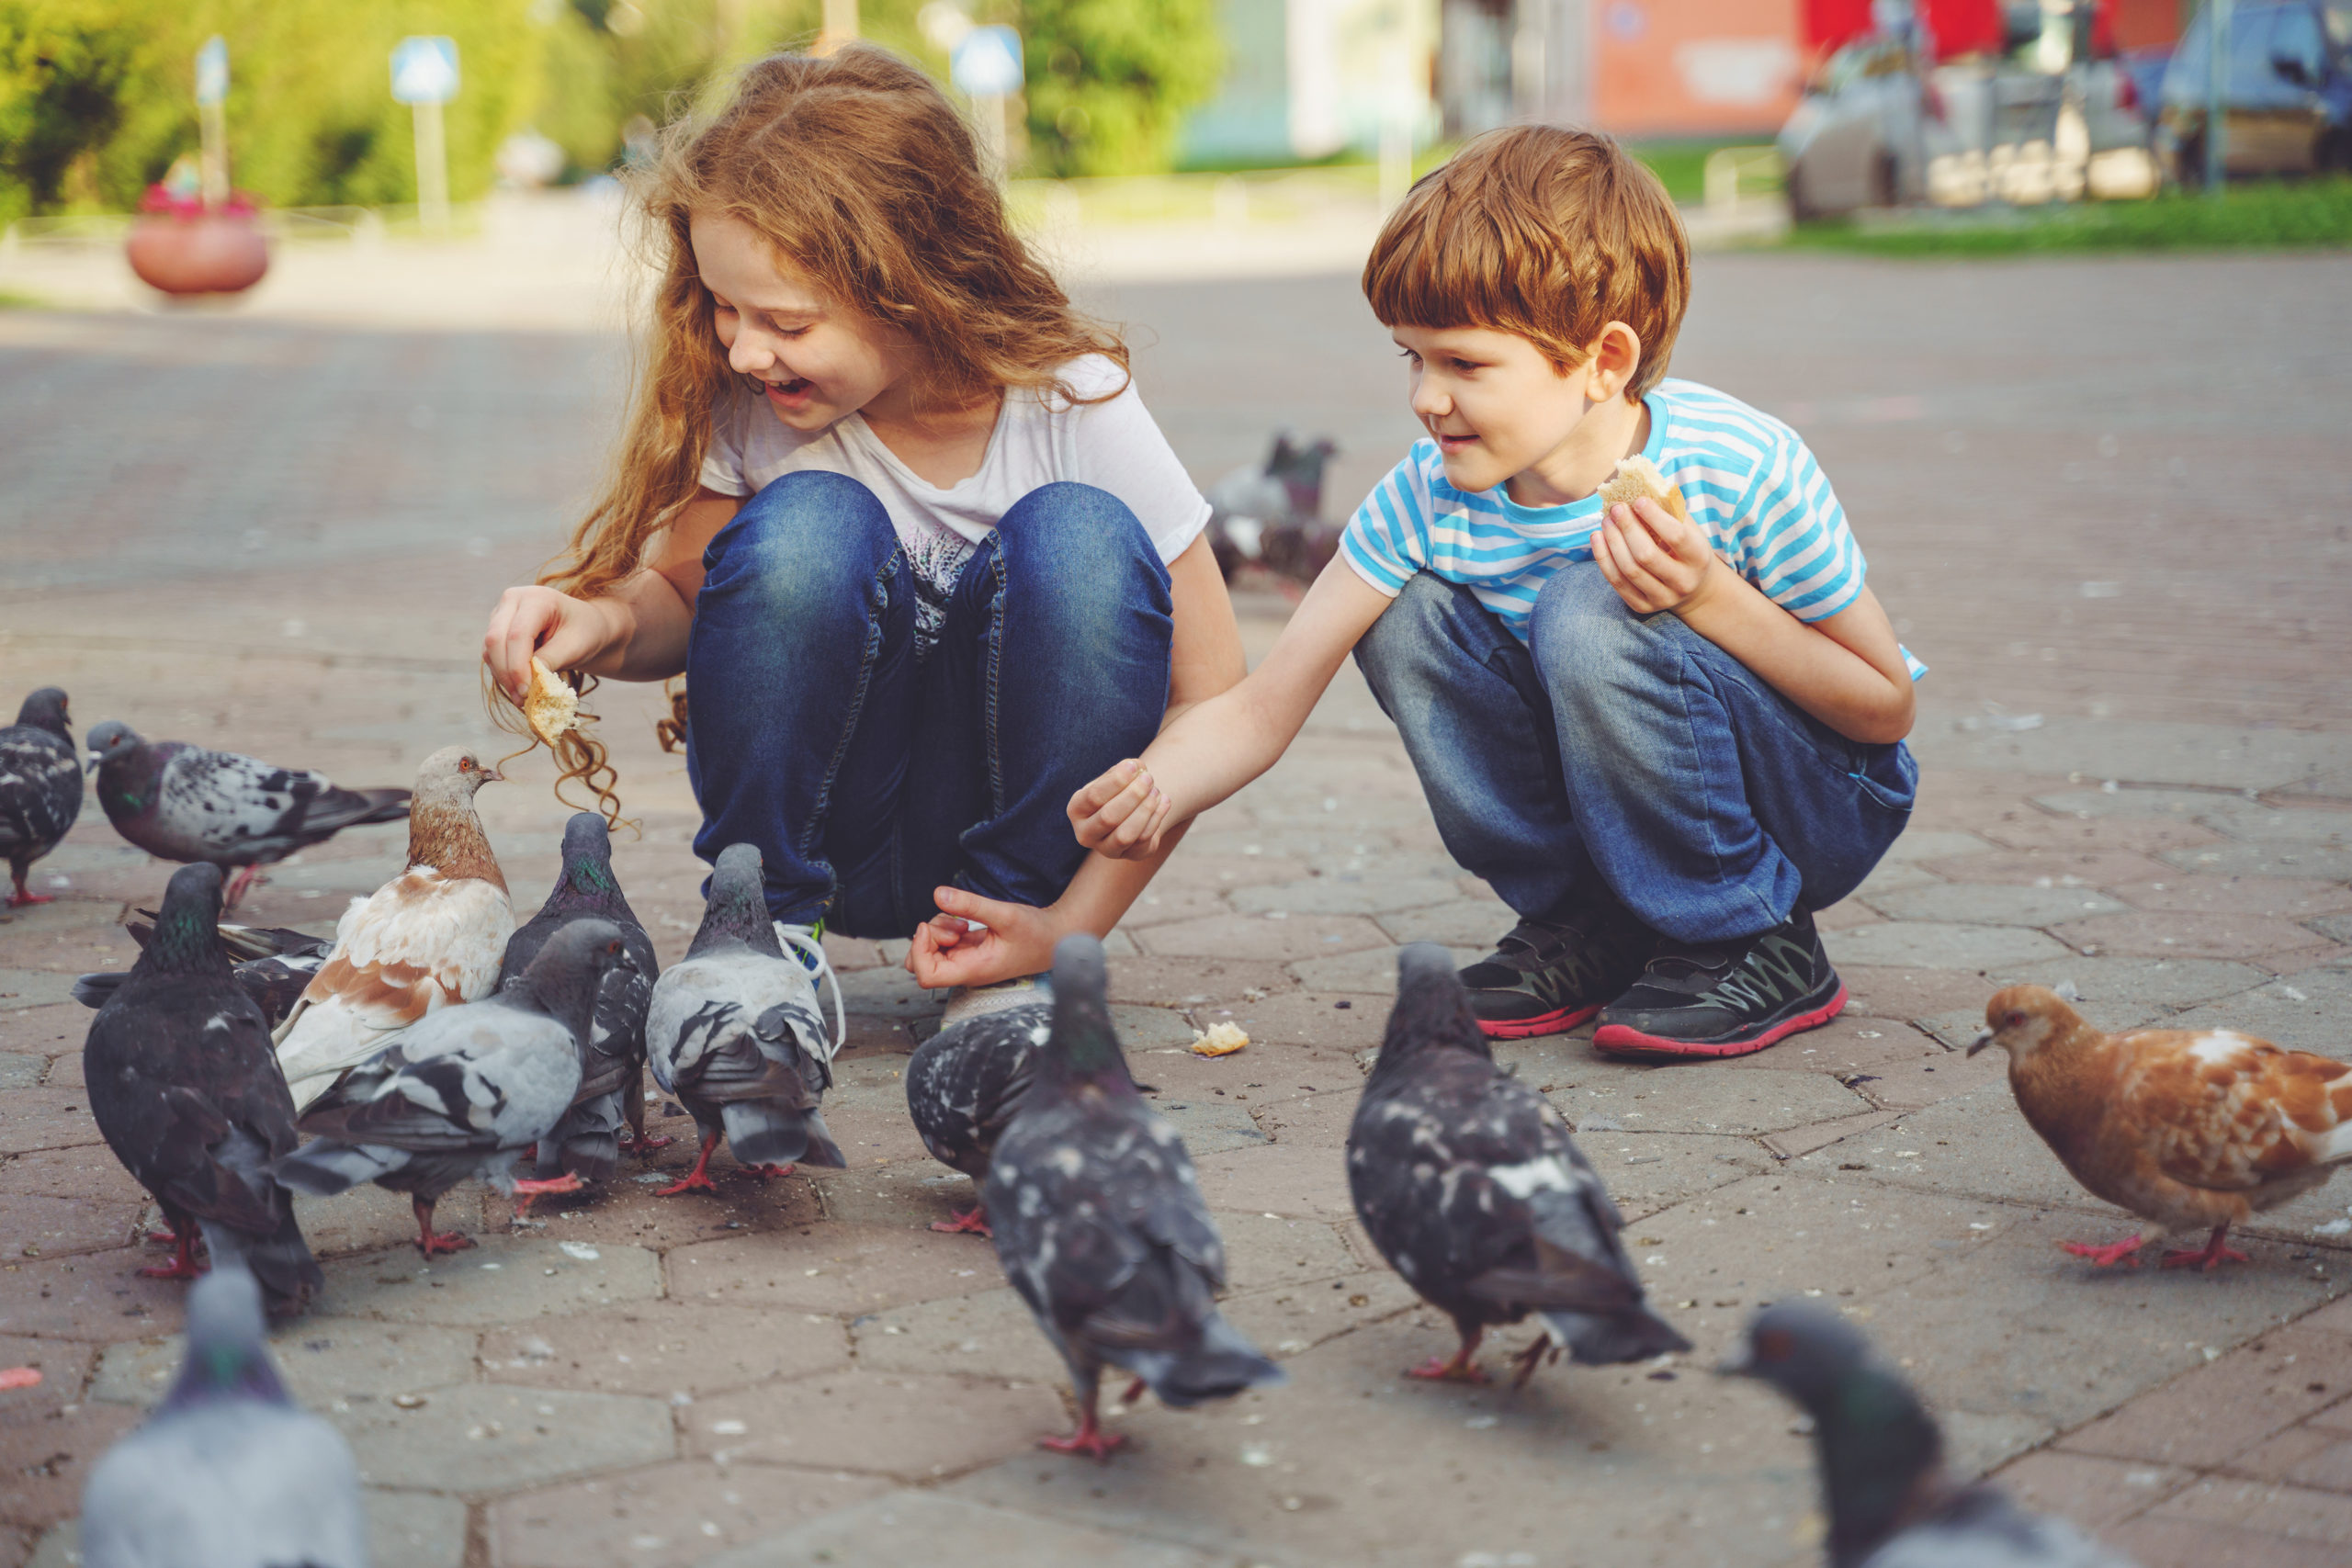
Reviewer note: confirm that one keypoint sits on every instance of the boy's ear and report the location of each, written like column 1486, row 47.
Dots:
column 1615, row 358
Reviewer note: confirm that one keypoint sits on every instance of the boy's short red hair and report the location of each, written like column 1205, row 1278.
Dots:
column 1546, row 233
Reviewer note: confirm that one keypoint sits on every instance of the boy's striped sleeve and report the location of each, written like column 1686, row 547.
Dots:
column 1388, row 540
column 1793, row 539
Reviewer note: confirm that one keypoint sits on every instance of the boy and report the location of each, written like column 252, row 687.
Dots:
column 1664, row 744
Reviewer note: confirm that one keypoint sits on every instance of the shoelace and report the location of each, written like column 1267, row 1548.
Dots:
column 803, row 941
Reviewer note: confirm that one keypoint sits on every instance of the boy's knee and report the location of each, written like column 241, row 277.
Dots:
column 801, row 542
column 1414, row 633
column 1582, row 633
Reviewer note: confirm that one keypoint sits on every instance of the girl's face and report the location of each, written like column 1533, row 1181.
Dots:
column 818, row 362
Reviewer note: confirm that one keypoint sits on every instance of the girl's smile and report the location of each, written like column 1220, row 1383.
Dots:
column 815, row 361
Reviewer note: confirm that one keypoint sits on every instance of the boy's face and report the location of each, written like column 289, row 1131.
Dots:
column 1495, row 404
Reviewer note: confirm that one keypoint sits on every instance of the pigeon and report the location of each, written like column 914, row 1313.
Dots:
column 1100, row 1223
column 189, row 803
column 431, row 936
column 273, row 965
column 1881, row 1459
column 1271, row 513
column 588, row 1140
column 1468, row 1183
column 2190, row 1129
column 963, row 1086
column 40, row 789
column 184, row 1088
column 735, row 1032
column 228, row 1473
column 469, row 1091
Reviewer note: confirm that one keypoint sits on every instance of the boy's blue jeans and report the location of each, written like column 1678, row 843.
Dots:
column 868, row 777
column 1630, row 750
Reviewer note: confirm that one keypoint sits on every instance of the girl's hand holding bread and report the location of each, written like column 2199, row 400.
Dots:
column 565, row 633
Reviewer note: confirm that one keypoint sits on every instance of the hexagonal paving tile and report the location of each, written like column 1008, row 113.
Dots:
column 500, row 1281
column 1940, row 944
column 485, row 1439
column 1994, row 903
column 323, row 1359
column 832, row 1269
column 664, row 1516
column 97, row 1297
column 876, row 1423
column 1295, row 937
column 660, row 1347
column 56, row 1227
column 987, row 1335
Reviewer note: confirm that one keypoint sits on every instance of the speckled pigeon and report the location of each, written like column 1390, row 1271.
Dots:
column 227, row 1473
column 185, row 802
column 272, row 964
column 736, row 1033
column 1100, row 1225
column 589, row 1139
column 185, row 1091
column 469, row 1091
column 40, row 789
column 963, row 1086
column 1467, row 1181
column 1881, row 1459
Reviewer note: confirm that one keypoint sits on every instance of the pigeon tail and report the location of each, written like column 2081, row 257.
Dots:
column 281, row 1261
column 1609, row 1339
column 738, row 907
column 226, row 1356
column 1083, row 1047
column 586, row 1143
column 324, row 1167
column 94, row 990
column 378, row 806
column 1222, row 1365
column 762, row 1132
column 187, row 937
column 1433, row 1010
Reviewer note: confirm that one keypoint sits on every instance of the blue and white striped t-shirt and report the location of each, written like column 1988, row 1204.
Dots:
column 1749, row 480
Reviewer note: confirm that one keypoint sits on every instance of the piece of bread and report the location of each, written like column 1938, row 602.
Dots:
column 551, row 707
column 1637, row 477
column 1219, row 1040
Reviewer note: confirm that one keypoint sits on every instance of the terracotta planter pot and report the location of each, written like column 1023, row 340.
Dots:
column 214, row 252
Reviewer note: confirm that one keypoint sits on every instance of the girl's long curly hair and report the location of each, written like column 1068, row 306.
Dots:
column 862, row 177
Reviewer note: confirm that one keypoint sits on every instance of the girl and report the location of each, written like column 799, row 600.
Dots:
column 898, row 516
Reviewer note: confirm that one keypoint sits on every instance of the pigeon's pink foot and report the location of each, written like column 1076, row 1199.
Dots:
column 1527, row 1360
column 183, row 1263
column 240, row 884
column 697, row 1179
column 427, row 1241
column 646, row 1143
column 2210, row 1257
column 770, row 1172
column 526, row 1190
column 2108, row 1256
column 1135, row 1392
column 20, row 1377
column 19, row 899
column 1460, row 1367
column 974, row 1223
column 1090, row 1440
column 163, row 1236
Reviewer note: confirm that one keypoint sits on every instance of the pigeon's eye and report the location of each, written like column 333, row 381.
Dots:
column 2014, row 1020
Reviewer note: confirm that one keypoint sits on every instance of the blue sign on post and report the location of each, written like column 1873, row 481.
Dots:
column 212, row 71
column 986, row 64
column 424, row 70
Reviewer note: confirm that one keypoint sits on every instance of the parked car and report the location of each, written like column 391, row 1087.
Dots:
column 2287, row 92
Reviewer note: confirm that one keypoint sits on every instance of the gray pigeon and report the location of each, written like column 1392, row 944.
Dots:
column 40, row 789
column 1881, row 1459
column 963, row 1086
column 735, row 1032
column 188, row 803
column 1271, row 512
column 272, row 965
column 227, row 1473
column 1467, row 1181
column 185, row 1087
column 1100, row 1225
column 589, row 1139
column 467, row 1090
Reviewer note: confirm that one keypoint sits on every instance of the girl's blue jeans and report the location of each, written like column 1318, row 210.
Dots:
column 1628, row 750
column 867, row 776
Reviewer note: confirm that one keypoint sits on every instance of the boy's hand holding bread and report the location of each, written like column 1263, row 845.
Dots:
column 1646, row 546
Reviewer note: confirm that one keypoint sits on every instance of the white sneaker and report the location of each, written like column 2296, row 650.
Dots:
column 806, row 943
column 978, row 1002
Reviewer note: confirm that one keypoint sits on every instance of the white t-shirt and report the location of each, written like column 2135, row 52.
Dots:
column 1039, row 439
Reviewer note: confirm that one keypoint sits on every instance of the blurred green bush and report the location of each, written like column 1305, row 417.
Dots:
column 97, row 95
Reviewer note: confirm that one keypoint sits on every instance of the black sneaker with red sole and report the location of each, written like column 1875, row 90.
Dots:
column 1545, row 977
column 1725, row 998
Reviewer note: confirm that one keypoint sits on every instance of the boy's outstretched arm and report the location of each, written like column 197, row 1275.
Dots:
column 1220, row 745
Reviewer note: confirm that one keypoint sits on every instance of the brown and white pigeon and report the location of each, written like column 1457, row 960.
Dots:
column 432, row 936
column 1100, row 1225
column 184, row 802
column 40, row 789
column 228, row 1473
column 2190, row 1129
column 735, row 1032
column 1468, row 1183
column 182, row 1083
column 469, row 1091
column 1881, row 1459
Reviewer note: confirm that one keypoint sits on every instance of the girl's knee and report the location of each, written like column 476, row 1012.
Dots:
column 804, row 539
column 1071, row 527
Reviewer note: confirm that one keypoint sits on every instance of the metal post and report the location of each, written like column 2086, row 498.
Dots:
column 2217, row 74
column 989, row 119
column 431, row 169
column 838, row 26
column 213, row 127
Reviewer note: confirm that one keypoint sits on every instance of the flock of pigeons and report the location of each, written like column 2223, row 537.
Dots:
column 432, row 1041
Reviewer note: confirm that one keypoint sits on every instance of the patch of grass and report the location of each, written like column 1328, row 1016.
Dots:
column 1682, row 165
column 11, row 299
column 2272, row 216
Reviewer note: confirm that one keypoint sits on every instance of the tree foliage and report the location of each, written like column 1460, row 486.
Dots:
column 1110, row 80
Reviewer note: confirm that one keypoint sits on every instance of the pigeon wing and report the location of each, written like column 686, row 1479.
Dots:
column 41, row 791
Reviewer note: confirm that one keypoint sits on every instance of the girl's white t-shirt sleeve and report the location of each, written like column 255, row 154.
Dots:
column 1117, row 446
column 722, row 466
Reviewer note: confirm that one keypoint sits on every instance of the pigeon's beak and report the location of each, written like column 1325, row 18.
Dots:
column 1984, row 1037
column 96, row 757
column 493, row 776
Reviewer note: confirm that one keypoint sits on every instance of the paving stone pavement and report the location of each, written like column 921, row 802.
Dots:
column 2137, row 748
